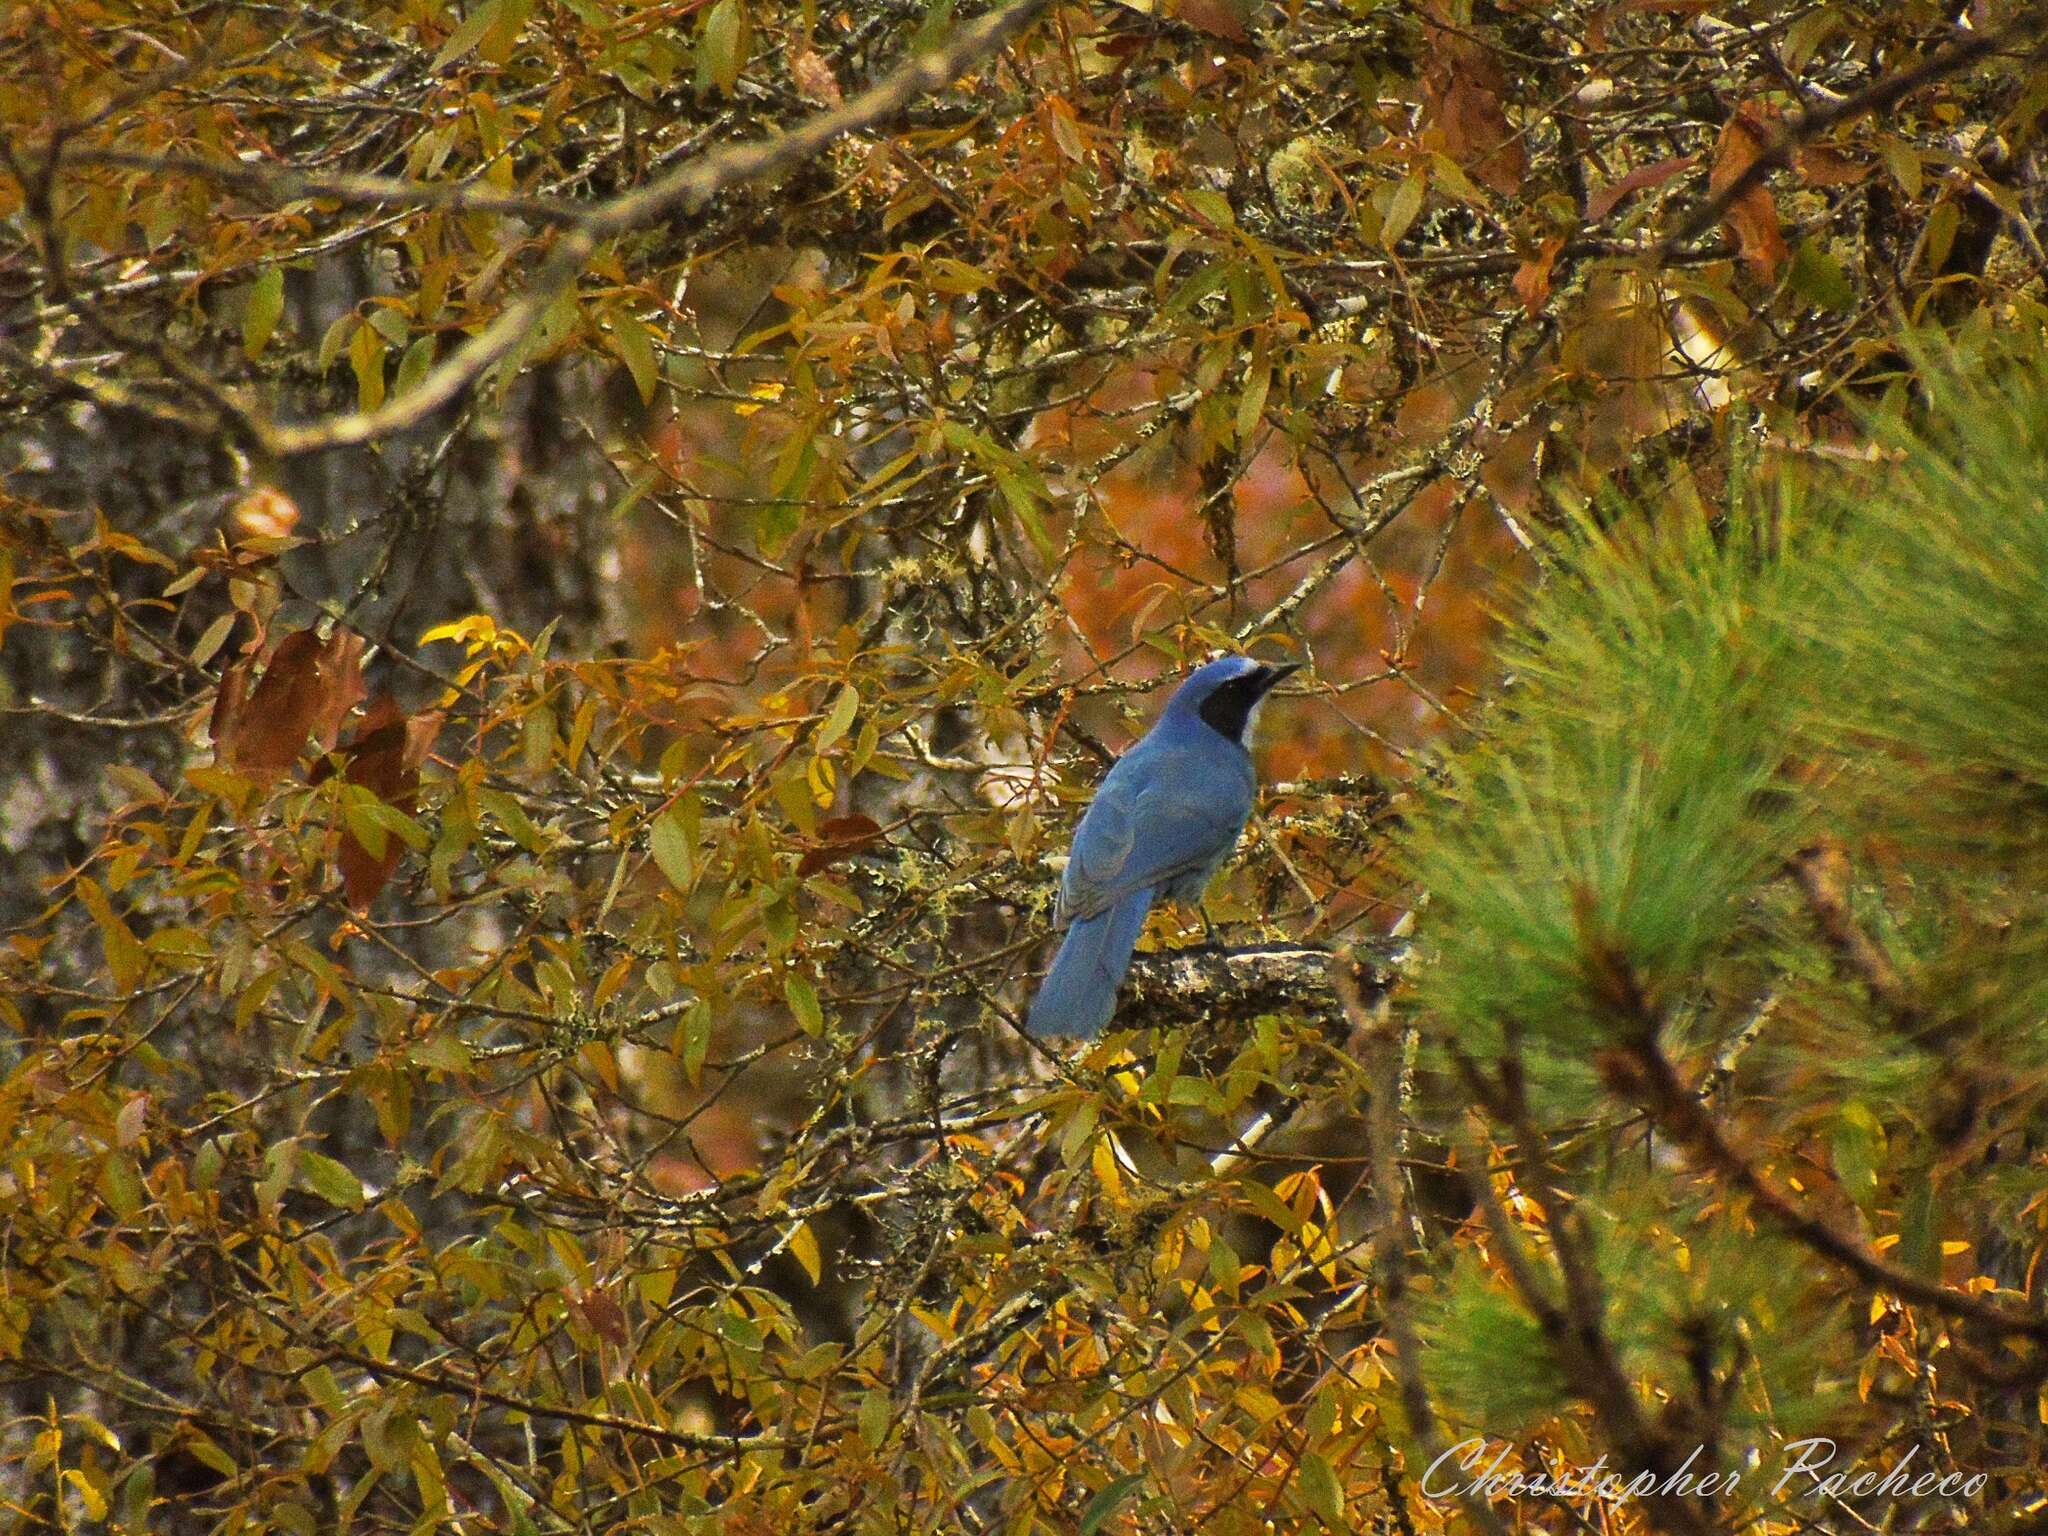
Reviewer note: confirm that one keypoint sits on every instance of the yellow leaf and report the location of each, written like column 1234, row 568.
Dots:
column 767, row 392
column 803, row 1244
column 366, row 356
column 89, row 1495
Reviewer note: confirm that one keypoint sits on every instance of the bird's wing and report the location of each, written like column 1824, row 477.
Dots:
column 1153, row 819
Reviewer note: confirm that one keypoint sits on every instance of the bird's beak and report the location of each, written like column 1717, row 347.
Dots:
column 1271, row 676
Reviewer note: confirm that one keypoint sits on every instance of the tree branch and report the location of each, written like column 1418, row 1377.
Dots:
column 1176, row 985
column 682, row 190
column 1644, row 1074
column 2026, row 27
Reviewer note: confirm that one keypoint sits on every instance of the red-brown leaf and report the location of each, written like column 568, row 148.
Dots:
column 1218, row 18
column 1753, row 217
column 383, row 756
column 1461, row 95
column 307, row 690
column 341, row 685
column 266, row 735
column 607, row 1319
column 1604, row 200
column 230, row 700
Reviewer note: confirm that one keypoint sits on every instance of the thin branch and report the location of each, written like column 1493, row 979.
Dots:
column 1644, row 1074
column 344, row 190
column 681, row 191
column 2027, row 28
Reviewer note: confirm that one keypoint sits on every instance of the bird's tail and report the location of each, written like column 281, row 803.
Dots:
column 1079, row 992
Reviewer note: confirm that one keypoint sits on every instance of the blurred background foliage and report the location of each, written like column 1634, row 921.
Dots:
column 567, row 566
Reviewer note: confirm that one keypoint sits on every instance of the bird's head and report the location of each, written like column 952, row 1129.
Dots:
column 1225, row 694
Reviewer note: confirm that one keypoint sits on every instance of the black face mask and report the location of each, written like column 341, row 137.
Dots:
column 1229, row 709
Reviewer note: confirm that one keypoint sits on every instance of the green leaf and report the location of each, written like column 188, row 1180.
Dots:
column 466, row 36
column 1940, row 237
column 933, row 29
column 841, row 719
column 1818, row 277
column 1858, row 1146
column 261, row 314
column 1213, row 206
column 1319, row 1488
column 803, row 1003
column 1017, row 492
column 413, row 364
column 1252, row 403
column 121, row 1184
column 1920, row 1230
column 693, row 1040
column 874, row 1419
column 721, row 49
column 330, row 1180
column 674, row 848
column 336, row 337
column 1104, row 1504
column 1402, row 208
column 630, row 340
column 508, row 814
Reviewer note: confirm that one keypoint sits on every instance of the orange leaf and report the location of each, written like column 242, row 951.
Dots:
column 1532, row 278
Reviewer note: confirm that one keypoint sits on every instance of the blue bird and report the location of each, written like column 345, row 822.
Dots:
column 1166, row 817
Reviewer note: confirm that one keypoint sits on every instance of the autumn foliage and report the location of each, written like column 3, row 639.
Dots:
column 566, row 567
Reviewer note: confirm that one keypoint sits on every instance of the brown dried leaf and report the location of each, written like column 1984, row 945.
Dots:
column 1219, row 18
column 607, row 1319
column 1461, row 94
column 1753, row 218
column 341, row 684
column 307, row 689
column 1823, row 165
column 814, row 77
column 229, row 702
column 266, row 734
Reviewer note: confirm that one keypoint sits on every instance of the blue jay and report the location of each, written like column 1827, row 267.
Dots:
column 1166, row 817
